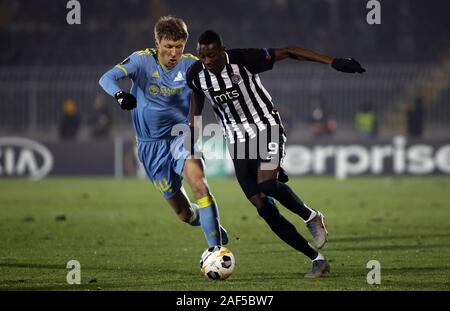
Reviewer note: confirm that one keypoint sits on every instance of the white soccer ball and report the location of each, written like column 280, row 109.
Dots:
column 217, row 263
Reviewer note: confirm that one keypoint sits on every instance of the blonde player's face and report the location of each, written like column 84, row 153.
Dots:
column 169, row 51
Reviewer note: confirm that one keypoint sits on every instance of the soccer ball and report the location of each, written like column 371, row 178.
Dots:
column 217, row 263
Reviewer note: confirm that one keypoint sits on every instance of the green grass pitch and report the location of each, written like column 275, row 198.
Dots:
column 127, row 238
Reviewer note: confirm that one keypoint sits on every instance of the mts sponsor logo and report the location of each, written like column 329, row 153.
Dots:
column 22, row 157
column 224, row 97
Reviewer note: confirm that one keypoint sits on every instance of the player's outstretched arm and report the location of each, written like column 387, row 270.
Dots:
column 348, row 65
column 302, row 54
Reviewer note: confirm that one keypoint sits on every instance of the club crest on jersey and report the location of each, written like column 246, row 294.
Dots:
column 236, row 79
column 179, row 77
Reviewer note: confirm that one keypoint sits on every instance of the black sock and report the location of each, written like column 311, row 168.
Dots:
column 284, row 194
column 284, row 229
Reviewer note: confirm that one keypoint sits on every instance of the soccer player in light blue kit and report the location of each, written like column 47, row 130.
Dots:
column 160, row 99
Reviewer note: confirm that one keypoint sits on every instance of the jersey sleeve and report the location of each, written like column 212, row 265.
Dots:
column 128, row 68
column 256, row 60
column 192, row 77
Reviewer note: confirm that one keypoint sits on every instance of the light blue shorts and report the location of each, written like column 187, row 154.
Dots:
column 163, row 161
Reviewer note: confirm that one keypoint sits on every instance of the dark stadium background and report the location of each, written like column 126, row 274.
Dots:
column 44, row 60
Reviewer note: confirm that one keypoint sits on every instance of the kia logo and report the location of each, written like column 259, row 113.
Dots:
column 24, row 157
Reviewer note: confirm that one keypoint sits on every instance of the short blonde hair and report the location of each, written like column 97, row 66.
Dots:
column 172, row 28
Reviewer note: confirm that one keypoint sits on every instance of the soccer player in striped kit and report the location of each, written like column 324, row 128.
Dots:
column 254, row 131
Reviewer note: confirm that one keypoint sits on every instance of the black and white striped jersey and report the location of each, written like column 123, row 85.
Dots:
column 241, row 103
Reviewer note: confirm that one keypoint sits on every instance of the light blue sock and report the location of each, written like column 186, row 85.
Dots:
column 209, row 220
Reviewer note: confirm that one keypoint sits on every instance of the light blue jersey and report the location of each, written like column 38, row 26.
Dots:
column 163, row 97
column 163, row 100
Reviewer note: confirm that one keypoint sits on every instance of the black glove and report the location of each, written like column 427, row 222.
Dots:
column 126, row 100
column 348, row 65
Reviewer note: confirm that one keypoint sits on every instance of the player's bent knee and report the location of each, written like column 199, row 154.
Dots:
column 183, row 215
column 268, row 211
column 268, row 187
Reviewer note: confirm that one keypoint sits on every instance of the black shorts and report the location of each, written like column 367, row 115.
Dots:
column 263, row 150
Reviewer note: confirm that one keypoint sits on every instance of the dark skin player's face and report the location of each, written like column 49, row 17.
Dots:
column 212, row 56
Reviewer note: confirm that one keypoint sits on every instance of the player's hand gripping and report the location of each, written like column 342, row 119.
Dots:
column 348, row 65
column 126, row 100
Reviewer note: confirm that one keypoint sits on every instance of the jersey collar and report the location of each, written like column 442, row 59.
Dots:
column 162, row 65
